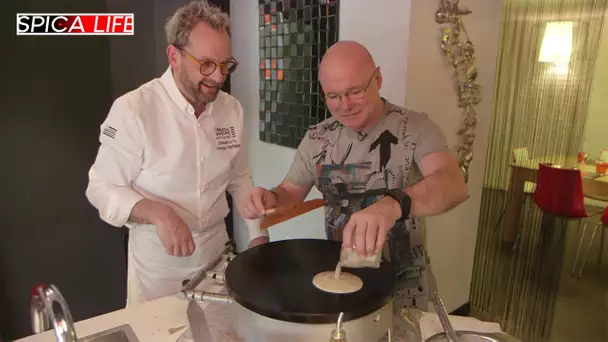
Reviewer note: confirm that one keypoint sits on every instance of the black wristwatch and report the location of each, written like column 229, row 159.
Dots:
column 404, row 200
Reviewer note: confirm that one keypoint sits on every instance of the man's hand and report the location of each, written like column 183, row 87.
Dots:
column 257, row 202
column 366, row 230
column 260, row 240
column 173, row 232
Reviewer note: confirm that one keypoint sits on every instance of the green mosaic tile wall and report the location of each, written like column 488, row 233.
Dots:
column 294, row 35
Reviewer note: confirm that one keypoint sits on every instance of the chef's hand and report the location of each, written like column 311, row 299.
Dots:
column 173, row 232
column 366, row 230
column 257, row 202
column 260, row 240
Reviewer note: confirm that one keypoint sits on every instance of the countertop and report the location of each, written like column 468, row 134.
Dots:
column 153, row 321
column 162, row 320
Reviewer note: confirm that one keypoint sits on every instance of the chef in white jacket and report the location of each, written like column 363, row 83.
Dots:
column 169, row 151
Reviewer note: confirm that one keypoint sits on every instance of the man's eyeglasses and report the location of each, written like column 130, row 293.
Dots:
column 356, row 93
column 207, row 66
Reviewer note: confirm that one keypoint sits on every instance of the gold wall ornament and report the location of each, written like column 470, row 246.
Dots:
column 458, row 48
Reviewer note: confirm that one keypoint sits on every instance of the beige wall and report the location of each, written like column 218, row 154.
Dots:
column 451, row 237
column 596, row 131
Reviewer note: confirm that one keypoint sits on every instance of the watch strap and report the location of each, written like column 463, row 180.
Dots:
column 404, row 200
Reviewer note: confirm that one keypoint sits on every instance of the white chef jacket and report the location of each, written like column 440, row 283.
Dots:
column 153, row 146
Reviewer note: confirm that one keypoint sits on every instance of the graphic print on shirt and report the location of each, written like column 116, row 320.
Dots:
column 383, row 161
column 336, row 183
column 318, row 132
column 347, row 153
column 361, row 136
column 320, row 158
column 226, row 138
column 383, row 144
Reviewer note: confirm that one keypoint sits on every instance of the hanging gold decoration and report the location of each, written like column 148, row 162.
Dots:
column 458, row 48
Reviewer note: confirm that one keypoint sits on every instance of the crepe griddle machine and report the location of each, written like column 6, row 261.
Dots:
column 272, row 297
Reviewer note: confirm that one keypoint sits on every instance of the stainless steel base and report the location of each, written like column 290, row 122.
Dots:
column 253, row 327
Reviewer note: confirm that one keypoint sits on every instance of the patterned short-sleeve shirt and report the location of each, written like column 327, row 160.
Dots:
column 341, row 162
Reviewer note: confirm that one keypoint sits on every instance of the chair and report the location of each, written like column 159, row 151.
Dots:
column 604, row 155
column 604, row 224
column 596, row 192
column 520, row 156
column 559, row 192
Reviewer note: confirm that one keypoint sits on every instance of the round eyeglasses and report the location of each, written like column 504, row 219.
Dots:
column 356, row 93
column 207, row 66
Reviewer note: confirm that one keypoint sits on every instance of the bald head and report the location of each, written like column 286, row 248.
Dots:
column 345, row 57
column 351, row 84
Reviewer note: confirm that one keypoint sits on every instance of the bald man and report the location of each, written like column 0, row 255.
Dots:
column 391, row 163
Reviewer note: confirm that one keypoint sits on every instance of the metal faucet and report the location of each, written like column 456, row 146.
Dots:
column 47, row 306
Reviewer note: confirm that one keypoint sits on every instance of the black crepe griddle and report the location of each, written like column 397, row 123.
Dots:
column 275, row 280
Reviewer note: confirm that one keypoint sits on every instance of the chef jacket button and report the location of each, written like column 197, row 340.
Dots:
column 190, row 110
column 198, row 124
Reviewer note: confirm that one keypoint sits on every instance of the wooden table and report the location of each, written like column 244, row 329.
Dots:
column 527, row 171
column 596, row 188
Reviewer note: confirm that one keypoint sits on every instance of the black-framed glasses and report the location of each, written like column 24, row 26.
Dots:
column 356, row 93
column 208, row 66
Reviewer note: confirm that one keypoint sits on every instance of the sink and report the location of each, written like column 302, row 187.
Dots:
column 48, row 310
column 121, row 333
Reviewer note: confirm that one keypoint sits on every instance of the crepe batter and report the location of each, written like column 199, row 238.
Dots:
column 337, row 281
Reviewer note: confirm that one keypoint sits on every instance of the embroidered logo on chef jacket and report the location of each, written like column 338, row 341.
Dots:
column 225, row 138
column 110, row 132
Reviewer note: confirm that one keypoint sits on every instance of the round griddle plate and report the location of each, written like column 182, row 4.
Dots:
column 275, row 280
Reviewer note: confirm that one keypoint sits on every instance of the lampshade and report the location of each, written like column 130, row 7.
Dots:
column 557, row 43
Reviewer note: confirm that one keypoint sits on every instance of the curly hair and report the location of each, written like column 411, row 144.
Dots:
column 180, row 24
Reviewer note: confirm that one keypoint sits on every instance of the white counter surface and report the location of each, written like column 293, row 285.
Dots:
column 161, row 320
column 152, row 322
